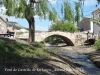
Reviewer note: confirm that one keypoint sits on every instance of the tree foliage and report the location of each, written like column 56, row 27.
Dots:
column 77, row 9
column 98, row 1
column 63, row 26
column 28, row 9
column 97, row 45
column 68, row 12
column 25, row 9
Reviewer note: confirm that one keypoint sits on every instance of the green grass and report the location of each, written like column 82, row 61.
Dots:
column 13, row 53
column 97, row 45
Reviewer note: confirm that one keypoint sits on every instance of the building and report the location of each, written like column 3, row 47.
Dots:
column 3, row 25
column 88, row 25
column 96, row 14
column 10, row 29
column 84, row 25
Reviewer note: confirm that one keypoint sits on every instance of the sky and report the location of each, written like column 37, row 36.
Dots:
column 43, row 25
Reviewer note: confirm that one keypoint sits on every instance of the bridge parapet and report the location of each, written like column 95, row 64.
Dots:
column 76, row 38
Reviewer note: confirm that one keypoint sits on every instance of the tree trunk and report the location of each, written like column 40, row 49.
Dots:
column 31, row 29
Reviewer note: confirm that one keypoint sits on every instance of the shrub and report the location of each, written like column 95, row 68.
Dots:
column 66, row 26
column 97, row 45
column 39, row 44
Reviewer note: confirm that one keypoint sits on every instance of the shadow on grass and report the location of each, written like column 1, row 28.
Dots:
column 95, row 58
column 13, row 63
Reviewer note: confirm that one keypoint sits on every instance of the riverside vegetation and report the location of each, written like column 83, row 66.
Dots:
column 95, row 56
column 97, row 45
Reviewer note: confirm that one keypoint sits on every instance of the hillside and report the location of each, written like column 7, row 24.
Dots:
column 15, row 25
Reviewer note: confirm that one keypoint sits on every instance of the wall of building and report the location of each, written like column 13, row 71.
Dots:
column 3, row 26
column 84, row 25
column 96, row 14
column 96, row 29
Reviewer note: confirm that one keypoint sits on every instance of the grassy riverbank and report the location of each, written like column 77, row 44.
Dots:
column 14, row 54
column 34, row 59
column 95, row 56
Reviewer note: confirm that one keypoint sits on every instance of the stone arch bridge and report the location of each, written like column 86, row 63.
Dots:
column 71, row 39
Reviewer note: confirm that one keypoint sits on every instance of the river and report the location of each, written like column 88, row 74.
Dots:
column 79, row 57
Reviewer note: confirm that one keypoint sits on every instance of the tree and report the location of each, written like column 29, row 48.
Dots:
column 28, row 9
column 98, row 1
column 56, row 25
column 68, row 12
column 63, row 26
column 69, row 27
column 77, row 9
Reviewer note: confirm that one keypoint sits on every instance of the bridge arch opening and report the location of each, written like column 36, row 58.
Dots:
column 89, row 42
column 65, row 39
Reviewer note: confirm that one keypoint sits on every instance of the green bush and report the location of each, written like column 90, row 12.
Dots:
column 97, row 45
column 66, row 26
column 39, row 44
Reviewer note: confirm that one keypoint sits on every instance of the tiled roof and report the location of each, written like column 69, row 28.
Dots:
column 98, row 10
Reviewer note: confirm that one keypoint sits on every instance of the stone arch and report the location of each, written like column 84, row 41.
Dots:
column 90, row 42
column 65, row 39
